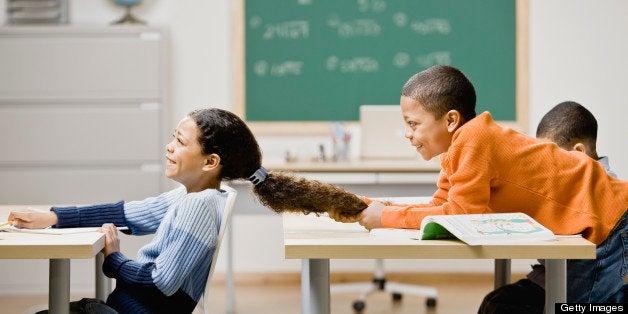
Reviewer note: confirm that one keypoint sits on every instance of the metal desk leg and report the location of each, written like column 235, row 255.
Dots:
column 59, row 286
column 502, row 272
column 103, row 283
column 315, row 286
column 555, row 283
column 230, row 306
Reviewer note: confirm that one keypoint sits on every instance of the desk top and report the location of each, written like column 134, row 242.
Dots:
column 16, row 245
column 399, row 165
column 321, row 237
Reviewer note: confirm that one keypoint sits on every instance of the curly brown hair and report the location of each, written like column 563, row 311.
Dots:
column 286, row 192
column 225, row 134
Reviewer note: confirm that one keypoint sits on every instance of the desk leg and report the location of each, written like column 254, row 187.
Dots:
column 59, row 286
column 555, row 283
column 230, row 308
column 502, row 272
column 315, row 286
column 103, row 283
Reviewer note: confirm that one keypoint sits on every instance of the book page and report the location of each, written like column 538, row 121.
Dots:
column 493, row 228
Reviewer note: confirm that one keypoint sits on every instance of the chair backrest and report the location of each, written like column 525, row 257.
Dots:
column 203, row 304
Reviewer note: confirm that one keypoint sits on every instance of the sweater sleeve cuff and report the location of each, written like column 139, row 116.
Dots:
column 113, row 263
column 67, row 217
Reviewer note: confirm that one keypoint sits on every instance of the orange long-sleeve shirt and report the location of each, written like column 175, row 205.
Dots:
column 492, row 169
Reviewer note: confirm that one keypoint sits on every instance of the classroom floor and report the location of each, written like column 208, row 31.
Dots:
column 456, row 294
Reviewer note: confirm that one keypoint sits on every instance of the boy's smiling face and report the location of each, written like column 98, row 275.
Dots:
column 429, row 135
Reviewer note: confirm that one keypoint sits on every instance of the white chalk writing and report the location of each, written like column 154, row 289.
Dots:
column 400, row 19
column 287, row 30
column 401, row 60
column 352, row 65
column 262, row 68
column 355, row 28
column 376, row 6
column 431, row 26
column 434, row 58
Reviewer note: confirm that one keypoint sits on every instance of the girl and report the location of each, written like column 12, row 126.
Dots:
column 168, row 276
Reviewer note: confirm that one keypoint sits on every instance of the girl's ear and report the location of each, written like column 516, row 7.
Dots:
column 211, row 162
column 453, row 120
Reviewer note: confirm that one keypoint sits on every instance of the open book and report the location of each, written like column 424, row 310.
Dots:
column 479, row 229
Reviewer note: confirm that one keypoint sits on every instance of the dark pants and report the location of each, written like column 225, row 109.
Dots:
column 521, row 297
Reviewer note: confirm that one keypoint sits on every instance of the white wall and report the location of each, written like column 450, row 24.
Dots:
column 578, row 51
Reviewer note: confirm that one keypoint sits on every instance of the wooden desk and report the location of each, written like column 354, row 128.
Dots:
column 316, row 240
column 59, row 249
column 374, row 178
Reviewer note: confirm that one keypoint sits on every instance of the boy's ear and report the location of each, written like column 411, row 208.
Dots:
column 453, row 120
column 579, row 147
column 211, row 162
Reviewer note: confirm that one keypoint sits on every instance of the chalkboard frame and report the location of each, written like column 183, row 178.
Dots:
column 323, row 127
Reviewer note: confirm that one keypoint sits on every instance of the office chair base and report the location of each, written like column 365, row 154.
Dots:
column 396, row 289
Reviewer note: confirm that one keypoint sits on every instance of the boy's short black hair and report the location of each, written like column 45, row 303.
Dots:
column 567, row 124
column 442, row 88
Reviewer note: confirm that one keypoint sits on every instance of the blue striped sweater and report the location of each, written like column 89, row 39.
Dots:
column 179, row 256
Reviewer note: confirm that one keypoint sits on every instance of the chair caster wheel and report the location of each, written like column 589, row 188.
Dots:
column 430, row 302
column 359, row 306
column 396, row 296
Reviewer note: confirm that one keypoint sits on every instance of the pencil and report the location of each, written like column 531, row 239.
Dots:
column 10, row 222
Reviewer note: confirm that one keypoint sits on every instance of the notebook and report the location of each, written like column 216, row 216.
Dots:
column 382, row 129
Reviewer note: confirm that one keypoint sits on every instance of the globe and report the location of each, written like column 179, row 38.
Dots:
column 128, row 17
column 127, row 3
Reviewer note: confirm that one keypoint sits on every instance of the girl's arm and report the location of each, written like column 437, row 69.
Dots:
column 143, row 217
column 90, row 216
column 188, row 241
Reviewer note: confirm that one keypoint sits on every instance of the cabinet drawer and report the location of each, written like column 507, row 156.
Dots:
column 40, row 65
column 80, row 133
column 76, row 185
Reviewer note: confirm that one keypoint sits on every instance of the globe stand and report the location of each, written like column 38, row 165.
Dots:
column 128, row 18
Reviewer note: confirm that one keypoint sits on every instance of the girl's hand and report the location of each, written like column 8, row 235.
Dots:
column 112, row 242
column 32, row 218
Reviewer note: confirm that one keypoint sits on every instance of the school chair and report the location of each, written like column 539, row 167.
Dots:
column 203, row 303
column 379, row 282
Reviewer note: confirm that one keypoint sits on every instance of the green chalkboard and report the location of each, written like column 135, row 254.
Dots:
column 319, row 60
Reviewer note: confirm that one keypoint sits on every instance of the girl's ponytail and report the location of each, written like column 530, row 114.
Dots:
column 283, row 192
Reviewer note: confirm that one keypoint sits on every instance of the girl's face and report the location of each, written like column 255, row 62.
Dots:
column 431, row 137
column 185, row 161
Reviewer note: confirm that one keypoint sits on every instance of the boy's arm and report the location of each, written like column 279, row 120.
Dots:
column 465, row 190
column 411, row 215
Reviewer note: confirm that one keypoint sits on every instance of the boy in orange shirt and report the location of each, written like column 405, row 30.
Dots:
column 487, row 168
column 573, row 128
